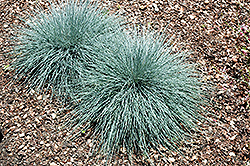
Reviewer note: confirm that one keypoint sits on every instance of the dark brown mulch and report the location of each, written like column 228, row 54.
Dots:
column 30, row 124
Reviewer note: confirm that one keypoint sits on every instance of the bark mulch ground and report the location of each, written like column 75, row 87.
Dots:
column 30, row 123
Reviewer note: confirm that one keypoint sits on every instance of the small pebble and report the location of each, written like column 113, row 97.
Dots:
column 143, row 7
column 204, row 161
column 192, row 16
column 88, row 141
column 234, row 59
column 22, row 135
column 40, row 97
column 194, row 158
column 217, row 140
column 233, row 137
column 80, row 163
column 156, row 157
column 21, row 147
column 171, row 159
column 53, row 164
column 55, row 146
column 53, row 116
column 90, row 145
column 25, row 116
column 232, row 154
column 156, row 7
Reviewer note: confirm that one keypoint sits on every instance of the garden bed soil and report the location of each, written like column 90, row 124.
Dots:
column 30, row 123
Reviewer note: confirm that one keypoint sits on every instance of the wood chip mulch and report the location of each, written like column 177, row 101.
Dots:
column 29, row 122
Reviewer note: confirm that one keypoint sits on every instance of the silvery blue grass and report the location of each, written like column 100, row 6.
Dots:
column 140, row 95
column 53, row 44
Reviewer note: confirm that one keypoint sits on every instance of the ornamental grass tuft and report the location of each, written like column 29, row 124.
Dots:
column 140, row 96
column 52, row 44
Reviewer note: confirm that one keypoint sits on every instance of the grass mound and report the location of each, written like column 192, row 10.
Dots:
column 52, row 45
column 141, row 95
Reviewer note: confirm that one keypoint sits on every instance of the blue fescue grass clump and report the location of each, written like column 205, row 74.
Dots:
column 141, row 95
column 52, row 44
